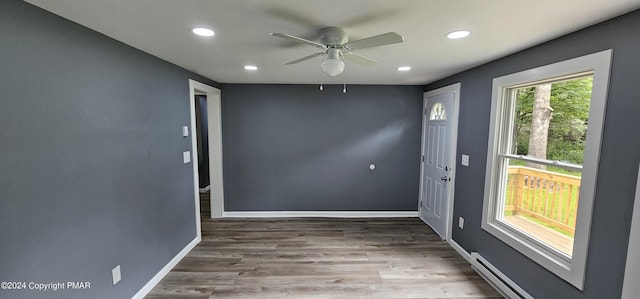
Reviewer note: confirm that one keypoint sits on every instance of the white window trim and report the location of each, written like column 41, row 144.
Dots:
column 570, row 269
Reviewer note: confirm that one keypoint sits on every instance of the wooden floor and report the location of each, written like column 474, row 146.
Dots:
column 321, row 258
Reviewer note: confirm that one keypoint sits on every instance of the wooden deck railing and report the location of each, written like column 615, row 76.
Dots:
column 549, row 197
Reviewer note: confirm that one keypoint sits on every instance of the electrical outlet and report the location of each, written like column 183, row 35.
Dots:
column 115, row 274
column 461, row 223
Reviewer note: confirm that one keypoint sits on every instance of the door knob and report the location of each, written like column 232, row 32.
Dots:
column 445, row 179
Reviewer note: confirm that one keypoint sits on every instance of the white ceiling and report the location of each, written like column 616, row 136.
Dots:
column 499, row 27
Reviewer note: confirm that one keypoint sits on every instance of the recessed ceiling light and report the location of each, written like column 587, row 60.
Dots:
column 202, row 31
column 404, row 68
column 458, row 34
column 250, row 67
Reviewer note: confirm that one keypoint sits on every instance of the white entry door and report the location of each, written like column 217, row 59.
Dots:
column 438, row 160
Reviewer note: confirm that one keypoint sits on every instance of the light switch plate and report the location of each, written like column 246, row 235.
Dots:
column 461, row 223
column 465, row 160
column 185, row 131
column 115, row 274
column 186, row 157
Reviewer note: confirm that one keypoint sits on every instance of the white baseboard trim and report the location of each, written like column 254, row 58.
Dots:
column 466, row 255
column 327, row 214
column 205, row 189
column 165, row 270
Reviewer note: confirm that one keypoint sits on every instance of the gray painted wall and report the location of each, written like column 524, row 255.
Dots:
column 91, row 172
column 296, row 148
column 617, row 169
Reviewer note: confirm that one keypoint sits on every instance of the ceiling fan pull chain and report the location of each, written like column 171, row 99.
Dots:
column 344, row 89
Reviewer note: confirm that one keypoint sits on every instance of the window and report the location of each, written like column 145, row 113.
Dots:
column 546, row 126
column 438, row 112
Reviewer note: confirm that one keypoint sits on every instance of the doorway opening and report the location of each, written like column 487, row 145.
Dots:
column 206, row 143
column 202, row 140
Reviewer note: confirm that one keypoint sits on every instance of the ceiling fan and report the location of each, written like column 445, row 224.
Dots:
column 335, row 45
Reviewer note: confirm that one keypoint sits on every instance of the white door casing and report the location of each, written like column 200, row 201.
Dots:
column 439, row 137
column 215, row 147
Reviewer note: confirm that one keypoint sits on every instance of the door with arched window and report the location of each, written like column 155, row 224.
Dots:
column 438, row 159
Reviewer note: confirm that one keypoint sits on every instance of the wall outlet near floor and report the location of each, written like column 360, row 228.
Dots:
column 115, row 274
column 461, row 223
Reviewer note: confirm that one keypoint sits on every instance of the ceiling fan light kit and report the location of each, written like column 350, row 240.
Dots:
column 336, row 46
column 332, row 67
column 333, row 64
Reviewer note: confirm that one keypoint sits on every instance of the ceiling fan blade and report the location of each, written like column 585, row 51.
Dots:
column 310, row 24
column 375, row 41
column 305, row 58
column 299, row 39
column 360, row 59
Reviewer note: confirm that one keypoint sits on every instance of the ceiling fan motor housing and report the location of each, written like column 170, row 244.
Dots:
column 334, row 36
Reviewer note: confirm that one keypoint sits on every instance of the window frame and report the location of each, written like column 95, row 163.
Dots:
column 571, row 269
column 438, row 117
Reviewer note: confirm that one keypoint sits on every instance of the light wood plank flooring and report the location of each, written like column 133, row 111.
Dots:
column 321, row 258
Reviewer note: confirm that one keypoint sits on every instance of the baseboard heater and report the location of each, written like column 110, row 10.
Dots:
column 491, row 274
